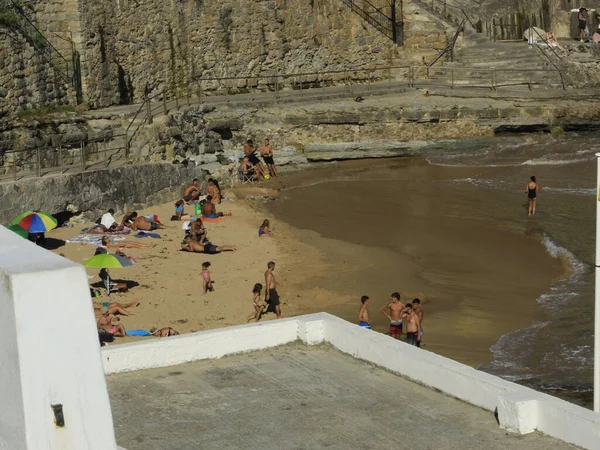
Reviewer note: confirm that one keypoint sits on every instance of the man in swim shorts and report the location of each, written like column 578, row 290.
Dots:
column 209, row 210
column 364, row 318
column 192, row 191
column 141, row 223
column 395, row 308
column 190, row 245
column 416, row 306
column 272, row 296
column 413, row 327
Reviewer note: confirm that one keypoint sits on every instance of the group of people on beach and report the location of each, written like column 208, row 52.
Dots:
column 397, row 313
column 251, row 167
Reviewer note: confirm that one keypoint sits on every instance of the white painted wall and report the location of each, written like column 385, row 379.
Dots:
column 520, row 409
column 49, row 353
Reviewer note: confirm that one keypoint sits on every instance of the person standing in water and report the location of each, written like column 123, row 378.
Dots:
column 532, row 190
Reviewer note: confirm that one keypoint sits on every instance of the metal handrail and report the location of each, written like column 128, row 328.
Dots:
column 374, row 16
column 47, row 50
column 547, row 57
column 450, row 46
column 445, row 4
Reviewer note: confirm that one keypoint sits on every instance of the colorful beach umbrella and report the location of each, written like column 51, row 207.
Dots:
column 109, row 261
column 35, row 221
column 17, row 229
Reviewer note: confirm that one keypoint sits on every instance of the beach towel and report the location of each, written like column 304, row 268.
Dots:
column 92, row 239
column 98, row 230
column 144, row 234
column 138, row 333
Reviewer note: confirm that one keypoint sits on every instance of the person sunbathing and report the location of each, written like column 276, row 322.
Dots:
column 189, row 245
column 209, row 211
column 165, row 332
column 143, row 224
column 113, row 308
column 105, row 322
column 108, row 243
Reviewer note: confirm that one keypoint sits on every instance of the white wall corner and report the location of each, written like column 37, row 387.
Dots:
column 310, row 329
column 517, row 414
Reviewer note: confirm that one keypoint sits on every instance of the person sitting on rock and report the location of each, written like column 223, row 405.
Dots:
column 209, row 211
column 250, row 152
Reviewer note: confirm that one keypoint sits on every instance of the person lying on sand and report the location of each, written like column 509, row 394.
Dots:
column 114, row 308
column 108, row 243
column 189, row 245
column 141, row 223
column 165, row 332
column 106, row 323
column 128, row 219
column 209, row 211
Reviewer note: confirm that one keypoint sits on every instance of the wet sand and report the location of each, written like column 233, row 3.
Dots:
column 337, row 241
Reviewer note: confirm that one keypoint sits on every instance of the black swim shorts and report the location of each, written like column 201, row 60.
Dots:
column 210, row 249
column 268, row 160
column 253, row 159
column 273, row 297
column 582, row 24
column 153, row 226
column 188, row 197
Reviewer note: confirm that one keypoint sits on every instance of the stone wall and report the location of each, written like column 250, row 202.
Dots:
column 126, row 44
column 136, row 186
column 26, row 80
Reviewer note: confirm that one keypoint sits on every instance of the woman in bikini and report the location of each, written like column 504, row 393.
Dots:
column 532, row 189
column 106, row 242
column 257, row 303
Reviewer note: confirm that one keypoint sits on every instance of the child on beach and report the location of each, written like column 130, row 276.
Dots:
column 257, row 303
column 263, row 230
column 363, row 313
column 207, row 284
column 179, row 212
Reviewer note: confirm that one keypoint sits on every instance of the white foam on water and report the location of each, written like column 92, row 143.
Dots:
column 573, row 191
column 553, row 162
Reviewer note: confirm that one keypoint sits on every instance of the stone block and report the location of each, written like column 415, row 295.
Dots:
column 517, row 413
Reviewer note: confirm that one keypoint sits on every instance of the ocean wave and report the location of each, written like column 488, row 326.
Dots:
column 575, row 266
column 553, row 162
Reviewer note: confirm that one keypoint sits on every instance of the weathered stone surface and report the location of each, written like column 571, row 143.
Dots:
column 139, row 186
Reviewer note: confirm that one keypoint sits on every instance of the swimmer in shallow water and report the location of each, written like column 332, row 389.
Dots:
column 532, row 189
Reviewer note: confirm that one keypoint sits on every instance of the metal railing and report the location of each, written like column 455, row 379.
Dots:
column 96, row 154
column 43, row 46
column 78, row 157
column 389, row 25
column 445, row 8
column 449, row 48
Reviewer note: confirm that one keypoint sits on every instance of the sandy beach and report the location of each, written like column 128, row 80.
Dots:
column 323, row 265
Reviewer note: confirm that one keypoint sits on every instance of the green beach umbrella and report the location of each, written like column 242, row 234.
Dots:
column 109, row 261
column 17, row 229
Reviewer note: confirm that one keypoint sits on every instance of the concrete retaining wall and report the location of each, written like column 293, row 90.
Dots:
column 519, row 409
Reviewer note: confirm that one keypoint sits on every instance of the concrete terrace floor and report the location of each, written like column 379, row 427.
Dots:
column 297, row 397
